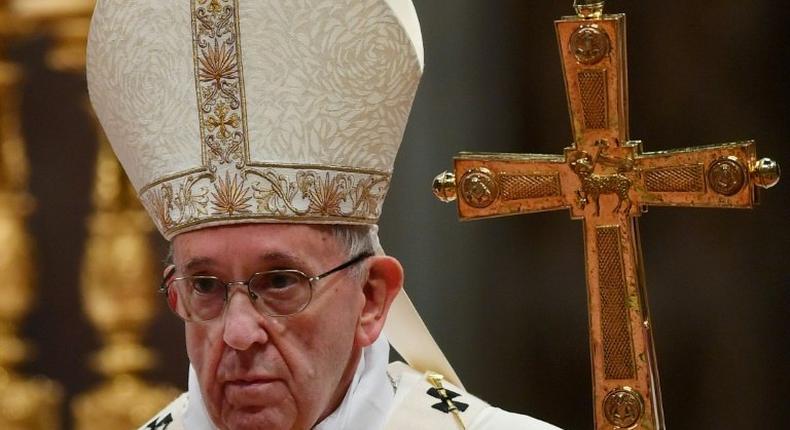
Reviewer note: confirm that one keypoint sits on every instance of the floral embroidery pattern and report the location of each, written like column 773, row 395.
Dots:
column 312, row 193
column 171, row 209
column 328, row 194
column 275, row 195
column 159, row 205
column 230, row 197
column 219, row 82
column 324, row 193
column 320, row 194
column 189, row 203
column 292, row 193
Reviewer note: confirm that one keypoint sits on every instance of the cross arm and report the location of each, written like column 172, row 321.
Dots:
column 722, row 176
column 493, row 185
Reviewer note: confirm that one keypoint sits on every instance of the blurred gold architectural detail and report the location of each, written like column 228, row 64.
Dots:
column 25, row 403
column 67, row 21
column 119, row 270
column 118, row 279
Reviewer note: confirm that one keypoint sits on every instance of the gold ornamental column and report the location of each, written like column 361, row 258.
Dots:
column 25, row 403
column 119, row 273
column 118, row 279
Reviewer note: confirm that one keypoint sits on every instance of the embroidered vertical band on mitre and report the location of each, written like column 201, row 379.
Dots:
column 234, row 111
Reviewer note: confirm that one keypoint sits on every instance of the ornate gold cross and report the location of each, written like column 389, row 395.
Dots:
column 607, row 180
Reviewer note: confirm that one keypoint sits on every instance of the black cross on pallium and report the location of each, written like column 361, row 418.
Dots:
column 160, row 424
column 447, row 404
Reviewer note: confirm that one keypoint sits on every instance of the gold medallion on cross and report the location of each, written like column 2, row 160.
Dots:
column 608, row 181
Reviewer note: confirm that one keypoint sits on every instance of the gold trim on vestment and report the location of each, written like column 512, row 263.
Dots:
column 219, row 80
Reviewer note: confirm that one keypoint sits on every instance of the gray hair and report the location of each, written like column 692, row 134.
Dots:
column 355, row 239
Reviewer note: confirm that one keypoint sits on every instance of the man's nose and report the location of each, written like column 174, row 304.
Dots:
column 242, row 322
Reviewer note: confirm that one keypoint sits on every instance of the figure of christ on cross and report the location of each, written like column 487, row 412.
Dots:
column 608, row 181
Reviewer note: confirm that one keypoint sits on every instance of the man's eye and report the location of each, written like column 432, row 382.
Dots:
column 280, row 280
column 205, row 285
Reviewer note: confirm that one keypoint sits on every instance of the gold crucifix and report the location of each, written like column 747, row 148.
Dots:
column 607, row 181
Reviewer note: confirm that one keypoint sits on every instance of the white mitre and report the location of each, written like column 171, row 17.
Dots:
column 239, row 111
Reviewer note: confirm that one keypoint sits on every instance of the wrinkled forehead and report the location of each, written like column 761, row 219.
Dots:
column 232, row 246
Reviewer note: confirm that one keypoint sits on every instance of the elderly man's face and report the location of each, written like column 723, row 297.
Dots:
column 261, row 372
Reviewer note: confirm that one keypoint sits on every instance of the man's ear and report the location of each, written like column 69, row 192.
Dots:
column 168, row 271
column 384, row 282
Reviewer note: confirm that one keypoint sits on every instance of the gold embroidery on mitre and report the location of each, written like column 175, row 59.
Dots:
column 330, row 194
column 172, row 208
column 219, row 82
column 230, row 197
column 300, row 194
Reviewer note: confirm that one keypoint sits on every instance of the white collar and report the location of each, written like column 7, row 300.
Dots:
column 365, row 406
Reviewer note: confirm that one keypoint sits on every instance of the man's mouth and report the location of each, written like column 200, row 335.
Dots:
column 253, row 390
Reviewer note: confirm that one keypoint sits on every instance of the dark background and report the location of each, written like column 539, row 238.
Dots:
column 506, row 298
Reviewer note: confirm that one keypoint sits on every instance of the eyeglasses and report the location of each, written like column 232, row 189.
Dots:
column 275, row 293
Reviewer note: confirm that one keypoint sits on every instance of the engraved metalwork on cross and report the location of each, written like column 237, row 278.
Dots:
column 608, row 181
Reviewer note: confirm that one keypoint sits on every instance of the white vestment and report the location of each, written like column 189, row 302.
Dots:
column 394, row 397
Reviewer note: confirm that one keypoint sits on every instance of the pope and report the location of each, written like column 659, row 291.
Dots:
column 260, row 136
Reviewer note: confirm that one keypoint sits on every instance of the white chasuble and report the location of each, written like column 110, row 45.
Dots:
column 371, row 403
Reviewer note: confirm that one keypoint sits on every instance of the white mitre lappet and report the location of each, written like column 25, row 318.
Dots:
column 277, row 111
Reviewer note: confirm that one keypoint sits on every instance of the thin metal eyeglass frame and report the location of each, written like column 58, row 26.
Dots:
column 164, row 286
